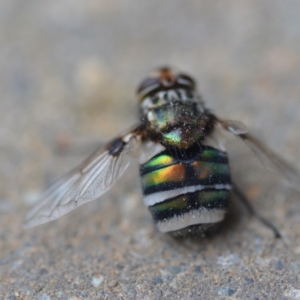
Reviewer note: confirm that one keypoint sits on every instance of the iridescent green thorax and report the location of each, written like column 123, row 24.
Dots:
column 180, row 124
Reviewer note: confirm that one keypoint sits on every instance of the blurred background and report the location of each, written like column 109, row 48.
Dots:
column 68, row 76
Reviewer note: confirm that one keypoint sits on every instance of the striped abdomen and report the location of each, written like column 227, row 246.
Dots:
column 188, row 192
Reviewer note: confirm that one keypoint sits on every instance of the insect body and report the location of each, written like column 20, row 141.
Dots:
column 184, row 169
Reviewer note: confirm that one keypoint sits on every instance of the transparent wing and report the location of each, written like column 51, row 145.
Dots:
column 263, row 152
column 87, row 182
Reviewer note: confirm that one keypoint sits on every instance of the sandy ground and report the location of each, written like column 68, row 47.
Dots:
column 68, row 74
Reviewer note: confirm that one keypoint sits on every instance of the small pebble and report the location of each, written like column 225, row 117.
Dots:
column 97, row 280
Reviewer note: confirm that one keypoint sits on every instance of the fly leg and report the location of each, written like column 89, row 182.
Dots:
column 253, row 212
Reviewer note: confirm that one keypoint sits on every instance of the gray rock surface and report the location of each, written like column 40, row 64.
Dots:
column 68, row 74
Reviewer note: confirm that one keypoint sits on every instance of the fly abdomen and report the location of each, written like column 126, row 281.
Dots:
column 186, row 193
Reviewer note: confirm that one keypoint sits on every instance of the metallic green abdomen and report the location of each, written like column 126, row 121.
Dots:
column 187, row 189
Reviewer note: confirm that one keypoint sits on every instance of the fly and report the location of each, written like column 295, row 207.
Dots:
column 184, row 168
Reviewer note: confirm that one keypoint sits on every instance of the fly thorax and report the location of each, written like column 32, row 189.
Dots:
column 180, row 124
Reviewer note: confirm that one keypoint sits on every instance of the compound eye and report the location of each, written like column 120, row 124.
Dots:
column 148, row 86
column 185, row 80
